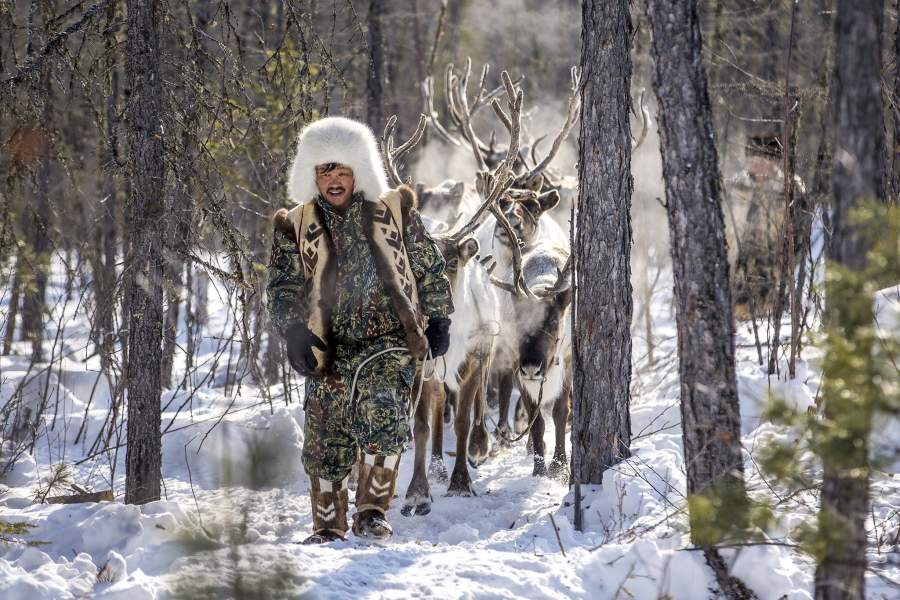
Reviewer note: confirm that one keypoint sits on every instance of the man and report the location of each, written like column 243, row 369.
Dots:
column 357, row 289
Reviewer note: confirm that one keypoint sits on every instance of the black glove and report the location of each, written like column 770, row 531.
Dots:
column 438, row 334
column 300, row 342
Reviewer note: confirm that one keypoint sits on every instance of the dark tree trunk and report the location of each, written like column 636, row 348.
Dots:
column 37, row 267
column 146, row 223
column 375, row 79
column 419, row 45
column 174, row 290
column 895, row 156
column 103, row 256
column 710, row 416
column 37, row 234
column 601, row 434
column 857, row 176
column 181, row 210
column 15, row 293
column 455, row 12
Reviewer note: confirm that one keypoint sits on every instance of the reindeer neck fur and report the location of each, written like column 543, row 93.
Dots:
column 556, row 374
column 548, row 231
column 475, row 308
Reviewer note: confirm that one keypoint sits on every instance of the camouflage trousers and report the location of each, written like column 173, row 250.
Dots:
column 376, row 422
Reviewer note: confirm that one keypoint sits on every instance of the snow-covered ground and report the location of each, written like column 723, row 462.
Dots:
column 235, row 498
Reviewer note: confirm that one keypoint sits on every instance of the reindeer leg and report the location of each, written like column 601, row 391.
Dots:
column 479, row 442
column 559, row 466
column 493, row 390
column 521, row 421
column 449, row 405
column 460, row 481
column 504, row 385
column 536, row 437
column 418, row 495
column 437, row 471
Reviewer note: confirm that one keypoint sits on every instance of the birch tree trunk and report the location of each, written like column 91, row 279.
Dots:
column 857, row 175
column 601, row 433
column 709, row 404
column 146, row 222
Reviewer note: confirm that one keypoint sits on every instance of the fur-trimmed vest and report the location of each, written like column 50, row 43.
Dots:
column 384, row 225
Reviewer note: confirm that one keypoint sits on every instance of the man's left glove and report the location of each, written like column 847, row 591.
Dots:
column 438, row 334
column 300, row 342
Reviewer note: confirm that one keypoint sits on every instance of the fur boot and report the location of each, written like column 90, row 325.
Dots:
column 329, row 510
column 374, row 491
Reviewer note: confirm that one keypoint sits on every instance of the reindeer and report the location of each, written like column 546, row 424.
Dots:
column 519, row 225
column 529, row 207
column 465, row 366
column 542, row 349
column 528, row 216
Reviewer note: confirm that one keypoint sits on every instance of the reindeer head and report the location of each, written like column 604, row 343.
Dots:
column 544, row 321
column 523, row 209
column 457, row 254
column 442, row 200
column 540, row 345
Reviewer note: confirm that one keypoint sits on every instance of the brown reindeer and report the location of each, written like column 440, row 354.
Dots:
column 466, row 364
column 463, row 370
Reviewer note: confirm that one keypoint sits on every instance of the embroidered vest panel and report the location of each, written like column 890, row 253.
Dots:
column 384, row 226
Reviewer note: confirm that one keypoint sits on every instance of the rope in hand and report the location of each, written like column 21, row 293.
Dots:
column 422, row 379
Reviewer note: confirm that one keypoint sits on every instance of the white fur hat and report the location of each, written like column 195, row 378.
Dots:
column 337, row 140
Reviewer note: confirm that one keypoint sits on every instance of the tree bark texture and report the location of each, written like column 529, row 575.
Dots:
column 181, row 238
column 857, row 176
column 15, row 291
column 858, row 148
column 104, row 250
column 37, row 234
column 709, row 403
column 375, row 80
column 601, row 434
column 895, row 155
column 146, row 222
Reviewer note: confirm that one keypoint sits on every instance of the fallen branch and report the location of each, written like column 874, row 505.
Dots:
column 556, row 531
column 102, row 496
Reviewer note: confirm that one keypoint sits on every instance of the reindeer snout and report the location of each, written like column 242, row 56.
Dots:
column 532, row 371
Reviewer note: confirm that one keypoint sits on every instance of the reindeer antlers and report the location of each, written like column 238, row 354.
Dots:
column 458, row 105
column 490, row 184
column 571, row 116
column 645, row 123
column 390, row 155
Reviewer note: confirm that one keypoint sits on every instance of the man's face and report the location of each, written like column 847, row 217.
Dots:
column 335, row 183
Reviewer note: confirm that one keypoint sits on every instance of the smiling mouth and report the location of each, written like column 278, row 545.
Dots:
column 336, row 191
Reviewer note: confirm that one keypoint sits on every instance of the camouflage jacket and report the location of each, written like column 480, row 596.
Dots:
column 363, row 310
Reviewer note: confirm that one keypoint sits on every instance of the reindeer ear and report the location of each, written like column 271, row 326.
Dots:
column 563, row 298
column 534, row 183
column 548, row 200
column 530, row 203
column 467, row 249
